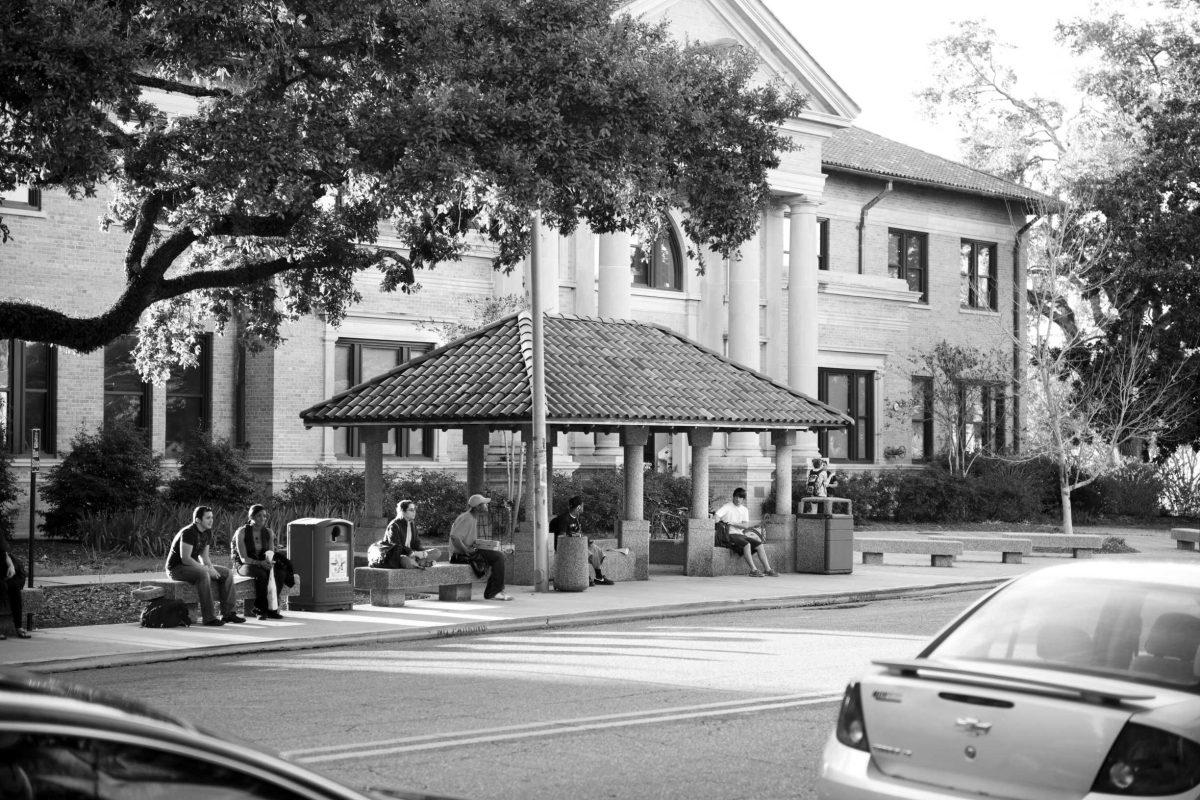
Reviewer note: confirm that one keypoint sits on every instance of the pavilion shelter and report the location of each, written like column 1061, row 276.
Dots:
column 602, row 376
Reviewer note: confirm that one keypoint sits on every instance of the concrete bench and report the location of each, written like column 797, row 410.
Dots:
column 1011, row 550
column 1185, row 538
column 1081, row 545
column 388, row 586
column 243, row 590
column 727, row 562
column 32, row 600
column 941, row 552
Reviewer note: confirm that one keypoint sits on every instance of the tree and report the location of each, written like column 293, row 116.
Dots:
column 450, row 121
column 481, row 311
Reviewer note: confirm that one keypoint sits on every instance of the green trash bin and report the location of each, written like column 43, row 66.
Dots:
column 824, row 540
column 320, row 552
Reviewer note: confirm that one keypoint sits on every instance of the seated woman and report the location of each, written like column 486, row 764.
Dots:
column 744, row 539
column 401, row 534
column 253, row 553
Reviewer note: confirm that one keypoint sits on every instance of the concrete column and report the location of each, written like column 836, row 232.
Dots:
column 373, row 519
column 713, row 318
column 745, row 292
column 635, row 531
column 616, row 277
column 547, row 267
column 783, row 441
column 776, row 360
column 476, row 438
column 700, row 439
column 584, row 256
column 802, row 307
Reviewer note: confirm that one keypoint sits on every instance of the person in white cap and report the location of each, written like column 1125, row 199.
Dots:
column 464, row 532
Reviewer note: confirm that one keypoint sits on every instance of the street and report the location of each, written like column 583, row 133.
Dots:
column 714, row 706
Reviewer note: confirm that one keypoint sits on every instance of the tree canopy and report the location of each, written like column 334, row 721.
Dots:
column 318, row 123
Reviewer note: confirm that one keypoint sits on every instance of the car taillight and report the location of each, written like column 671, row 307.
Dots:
column 851, row 728
column 1146, row 761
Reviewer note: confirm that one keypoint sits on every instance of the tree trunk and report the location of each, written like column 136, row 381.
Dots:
column 1064, row 496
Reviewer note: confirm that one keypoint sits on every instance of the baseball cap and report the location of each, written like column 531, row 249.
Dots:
column 477, row 499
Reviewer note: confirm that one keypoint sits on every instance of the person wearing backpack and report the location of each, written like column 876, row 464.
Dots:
column 189, row 561
column 253, row 553
column 406, row 551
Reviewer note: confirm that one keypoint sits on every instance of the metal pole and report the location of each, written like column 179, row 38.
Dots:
column 541, row 564
column 35, row 463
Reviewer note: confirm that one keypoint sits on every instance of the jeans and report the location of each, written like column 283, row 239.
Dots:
column 261, row 576
column 12, row 592
column 201, row 579
column 495, row 583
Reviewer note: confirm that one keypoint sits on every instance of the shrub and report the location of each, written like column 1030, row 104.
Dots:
column 329, row 487
column 214, row 473
column 1011, row 491
column 8, row 495
column 601, row 491
column 667, row 493
column 1132, row 491
column 871, row 496
column 109, row 470
column 440, row 498
column 935, row 496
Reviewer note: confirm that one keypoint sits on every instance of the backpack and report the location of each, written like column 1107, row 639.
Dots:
column 379, row 554
column 163, row 613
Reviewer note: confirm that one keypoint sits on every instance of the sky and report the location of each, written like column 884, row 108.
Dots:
column 878, row 52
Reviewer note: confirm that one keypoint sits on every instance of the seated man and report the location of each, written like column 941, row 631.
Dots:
column 744, row 539
column 567, row 524
column 463, row 534
column 189, row 561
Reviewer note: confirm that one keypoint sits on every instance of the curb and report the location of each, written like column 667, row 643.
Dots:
column 507, row 626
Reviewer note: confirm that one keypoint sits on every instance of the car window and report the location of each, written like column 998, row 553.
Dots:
column 50, row 767
column 1134, row 631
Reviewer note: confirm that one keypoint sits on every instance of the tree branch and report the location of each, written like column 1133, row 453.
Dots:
column 214, row 279
column 151, row 82
column 147, row 217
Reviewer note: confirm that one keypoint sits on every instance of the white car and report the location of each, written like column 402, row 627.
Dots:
column 1075, row 681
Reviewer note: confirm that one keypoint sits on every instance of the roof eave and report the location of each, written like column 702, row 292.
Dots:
column 891, row 176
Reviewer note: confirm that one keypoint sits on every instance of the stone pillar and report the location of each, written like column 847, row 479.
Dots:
column 373, row 522
column 476, row 438
column 776, row 361
column 783, row 441
column 635, row 531
column 699, row 535
column 745, row 292
column 616, row 277
column 802, row 307
column 547, row 267
column 584, row 256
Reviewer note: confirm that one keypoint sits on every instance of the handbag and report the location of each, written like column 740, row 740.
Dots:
column 379, row 553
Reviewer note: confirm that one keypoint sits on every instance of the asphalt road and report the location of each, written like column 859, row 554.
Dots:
column 718, row 706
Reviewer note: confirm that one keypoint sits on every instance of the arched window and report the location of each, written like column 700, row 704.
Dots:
column 661, row 265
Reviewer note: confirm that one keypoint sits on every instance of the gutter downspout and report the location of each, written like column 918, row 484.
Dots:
column 862, row 223
column 1018, row 292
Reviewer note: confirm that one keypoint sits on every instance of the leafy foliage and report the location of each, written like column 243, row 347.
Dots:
column 213, row 472
column 327, row 486
column 109, row 470
column 439, row 495
column 601, row 491
column 8, row 495
column 1134, row 490
column 447, row 120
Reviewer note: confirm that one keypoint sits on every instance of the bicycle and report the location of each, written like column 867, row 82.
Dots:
column 668, row 524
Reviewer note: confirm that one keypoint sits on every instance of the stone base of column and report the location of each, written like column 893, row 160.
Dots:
column 754, row 473
column 779, row 530
column 700, row 538
column 635, row 535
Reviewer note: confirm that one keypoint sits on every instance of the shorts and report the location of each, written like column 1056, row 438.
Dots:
column 738, row 542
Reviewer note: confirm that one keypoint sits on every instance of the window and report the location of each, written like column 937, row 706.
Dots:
column 28, row 381
column 823, row 244
column 22, row 197
column 126, row 397
column 922, row 419
column 358, row 361
column 189, row 400
column 982, row 414
column 662, row 266
column 907, row 260
column 977, row 275
column 851, row 391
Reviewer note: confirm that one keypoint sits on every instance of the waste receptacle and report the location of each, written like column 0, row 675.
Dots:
column 825, row 540
column 320, row 552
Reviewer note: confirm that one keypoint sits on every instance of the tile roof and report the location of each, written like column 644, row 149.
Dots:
column 604, row 373
column 856, row 150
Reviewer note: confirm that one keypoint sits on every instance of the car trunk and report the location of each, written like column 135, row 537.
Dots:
column 1016, row 738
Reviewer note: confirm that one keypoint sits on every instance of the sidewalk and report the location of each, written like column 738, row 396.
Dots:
column 664, row 595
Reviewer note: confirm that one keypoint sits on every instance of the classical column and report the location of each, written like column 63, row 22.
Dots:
column 745, row 292
column 615, row 276
column 783, row 441
column 802, row 306
column 476, row 438
column 776, row 363
column 547, row 267
column 583, row 246
column 635, row 531
column 699, row 537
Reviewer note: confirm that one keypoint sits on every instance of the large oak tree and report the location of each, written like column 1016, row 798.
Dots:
column 318, row 123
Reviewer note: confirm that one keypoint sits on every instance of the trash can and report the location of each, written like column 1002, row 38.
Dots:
column 320, row 552
column 825, row 540
column 571, row 568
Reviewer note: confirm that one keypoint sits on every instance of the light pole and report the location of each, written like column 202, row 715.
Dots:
column 35, row 463
column 541, row 565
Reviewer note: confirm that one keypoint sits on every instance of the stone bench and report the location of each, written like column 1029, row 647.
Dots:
column 941, row 552
column 388, row 586
column 1011, row 549
column 727, row 562
column 243, row 590
column 1081, row 545
column 1185, row 538
column 617, row 567
column 32, row 600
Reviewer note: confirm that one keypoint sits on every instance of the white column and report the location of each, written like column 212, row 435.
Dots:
column 547, row 268
column 616, row 277
column 776, row 363
column 745, row 292
column 802, row 308
column 583, row 246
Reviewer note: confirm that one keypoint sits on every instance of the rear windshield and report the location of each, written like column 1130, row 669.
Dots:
column 1135, row 631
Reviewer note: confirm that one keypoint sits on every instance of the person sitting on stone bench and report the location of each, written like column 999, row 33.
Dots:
column 13, row 580
column 252, row 551
column 463, row 535
column 189, row 561
column 405, row 545
column 744, row 539
column 567, row 524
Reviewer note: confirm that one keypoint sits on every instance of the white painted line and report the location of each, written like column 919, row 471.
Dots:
column 318, row 755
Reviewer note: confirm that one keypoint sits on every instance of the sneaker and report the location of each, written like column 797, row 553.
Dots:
column 772, row 573
column 274, row 615
column 500, row 596
column 603, row 581
column 214, row 622
column 234, row 618
column 755, row 574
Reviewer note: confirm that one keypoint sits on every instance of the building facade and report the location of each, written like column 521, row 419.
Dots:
column 871, row 253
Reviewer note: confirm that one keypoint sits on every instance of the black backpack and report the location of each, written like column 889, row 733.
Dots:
column 163, row 613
